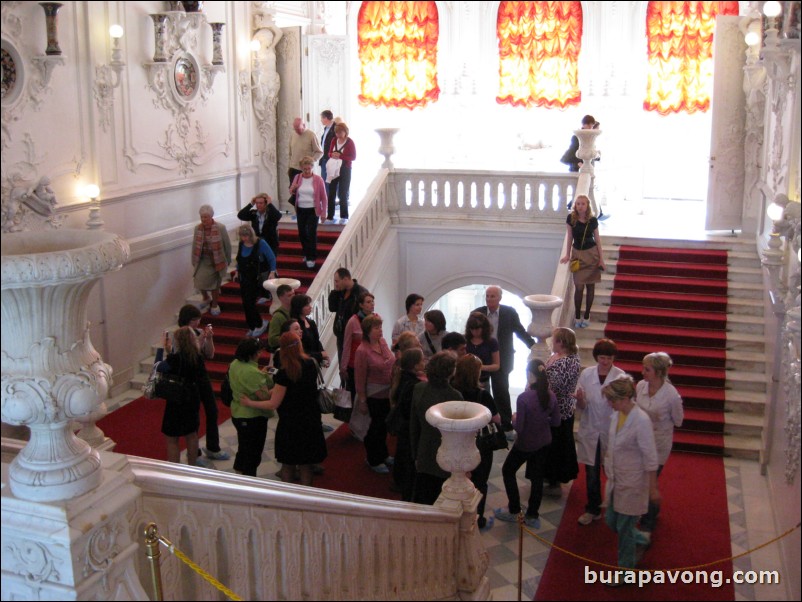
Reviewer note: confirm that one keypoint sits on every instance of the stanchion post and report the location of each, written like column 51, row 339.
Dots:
column 153, row 553
column 520, row 554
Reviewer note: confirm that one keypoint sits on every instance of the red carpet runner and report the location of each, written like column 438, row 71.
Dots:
column 675, row 300
column 693, row 529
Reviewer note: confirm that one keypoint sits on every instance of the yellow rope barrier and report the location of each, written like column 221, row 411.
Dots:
column 152, row 532
column 688, row 568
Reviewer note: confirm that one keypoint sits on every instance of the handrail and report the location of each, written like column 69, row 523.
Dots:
column 269, row 540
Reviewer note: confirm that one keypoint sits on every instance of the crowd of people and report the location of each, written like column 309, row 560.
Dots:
column 624, row 428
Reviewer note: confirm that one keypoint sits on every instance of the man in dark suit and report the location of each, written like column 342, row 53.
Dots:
column 327, row 119
column 505, row 322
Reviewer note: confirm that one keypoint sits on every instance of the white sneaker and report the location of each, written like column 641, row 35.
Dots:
column 588, row 518
column 260, row 331
column 585, row 323
column 310, row 264
column 215, row 311
column 261, row 301
column 578, row 324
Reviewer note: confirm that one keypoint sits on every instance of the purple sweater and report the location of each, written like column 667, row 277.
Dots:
column 533, row 423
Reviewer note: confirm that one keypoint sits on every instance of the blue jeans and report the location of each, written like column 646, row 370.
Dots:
column 593, row 482
column 649, row 520
column 340, row 187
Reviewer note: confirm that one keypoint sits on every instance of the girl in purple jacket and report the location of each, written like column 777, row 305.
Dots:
column 537, row 411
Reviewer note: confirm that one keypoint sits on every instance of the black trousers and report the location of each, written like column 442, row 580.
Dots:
column 501, row 394
column 340, row 187
column 251, row 439
column 250, row 291
column 307, row 232
column 376, row 437
column 209, row 403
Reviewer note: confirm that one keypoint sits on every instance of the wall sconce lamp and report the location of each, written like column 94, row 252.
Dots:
column 107, row 77
column 93, row 192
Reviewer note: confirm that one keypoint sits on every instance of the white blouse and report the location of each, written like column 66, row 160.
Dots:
column 305, row 195
column 665, row 410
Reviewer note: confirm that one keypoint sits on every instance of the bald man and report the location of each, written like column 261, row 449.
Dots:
column 303, row 143
column 505, row 322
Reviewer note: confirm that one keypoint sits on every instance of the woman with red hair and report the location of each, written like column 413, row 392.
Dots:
column 299, row 439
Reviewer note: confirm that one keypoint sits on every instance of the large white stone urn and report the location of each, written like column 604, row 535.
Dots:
column 272, row 284
column 542, row 307
column 51, row 373
column 458, row 422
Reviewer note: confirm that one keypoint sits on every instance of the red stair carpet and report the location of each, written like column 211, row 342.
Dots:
column 136, row 428
column 693, row 529
column 675, row 300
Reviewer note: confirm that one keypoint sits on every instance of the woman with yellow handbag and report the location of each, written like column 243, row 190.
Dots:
column 584, row 250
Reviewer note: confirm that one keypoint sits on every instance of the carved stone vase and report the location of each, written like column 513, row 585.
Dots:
column 458, row 422
column 51, row 373
column 217, row 46
column 542, row 307
column 51, row 23
column 272, row 284
column 159, row 29
column 386, row 148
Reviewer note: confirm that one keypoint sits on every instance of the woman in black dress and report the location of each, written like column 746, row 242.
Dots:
column 482, row 344
column 182, row 410
column 301, row 309
column 466, row 381
column 299, row 439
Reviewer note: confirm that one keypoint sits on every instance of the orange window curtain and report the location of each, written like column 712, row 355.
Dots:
column 680, row 44
column 539, row 44
column 398, row 53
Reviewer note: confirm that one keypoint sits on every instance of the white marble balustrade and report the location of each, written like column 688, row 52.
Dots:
column 483, row 195
column 276, row 541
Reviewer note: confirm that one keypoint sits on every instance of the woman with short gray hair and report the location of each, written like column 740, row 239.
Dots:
column 211, row 254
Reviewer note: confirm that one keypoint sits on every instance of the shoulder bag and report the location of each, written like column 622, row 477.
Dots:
column 226, row 393
column 575, row 264
column 326, row 397
column 490, row 438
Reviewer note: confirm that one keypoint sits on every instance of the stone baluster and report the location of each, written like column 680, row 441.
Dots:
column 458, row 422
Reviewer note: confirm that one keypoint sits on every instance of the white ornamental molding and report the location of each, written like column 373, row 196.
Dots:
column 32, row 560
column 792, row 391
column 330, row 51
column 27, row 200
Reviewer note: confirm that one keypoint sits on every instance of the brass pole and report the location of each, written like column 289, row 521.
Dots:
column 153, row 553
column 520, row 554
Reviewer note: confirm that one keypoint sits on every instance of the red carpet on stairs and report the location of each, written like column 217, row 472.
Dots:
column 675, row 300
column 136, row 427
column 692, row 529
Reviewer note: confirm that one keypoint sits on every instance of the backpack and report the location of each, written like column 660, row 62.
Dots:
column 226, row 394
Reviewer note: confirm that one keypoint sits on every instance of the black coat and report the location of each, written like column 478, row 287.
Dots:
column 326, row 145
column 269, row 231
column 508, row 324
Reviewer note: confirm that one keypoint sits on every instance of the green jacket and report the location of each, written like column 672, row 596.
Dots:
column 274, row 331
column 245, row 377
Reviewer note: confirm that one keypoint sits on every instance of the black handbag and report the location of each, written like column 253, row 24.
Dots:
column 490, row 438
column 174, row 389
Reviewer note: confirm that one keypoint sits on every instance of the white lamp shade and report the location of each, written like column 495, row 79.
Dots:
column 92, row 191
column 775, row 212
column 116, row 31
column 752, row 38
column 256, row 45
column 772, row 8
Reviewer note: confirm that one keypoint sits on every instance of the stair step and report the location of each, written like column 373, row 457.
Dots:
column 740, row 446
column 683, row 375
column 663, row 254
column 706, row 421
column 671, row 269
column 740, row 302
column 639, row 333
column 666, row 300
column 696, row 286
column 667, row 317
column 696, row 442
column 688, row 356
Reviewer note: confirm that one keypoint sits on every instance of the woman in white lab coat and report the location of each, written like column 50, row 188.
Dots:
column 631, row 468
column 591, row 438
column 660, row 400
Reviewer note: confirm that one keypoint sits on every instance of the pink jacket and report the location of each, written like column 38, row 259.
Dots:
column 321, row 199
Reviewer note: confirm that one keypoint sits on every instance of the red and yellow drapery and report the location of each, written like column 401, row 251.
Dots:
column 539, row 44
column 398, row 53
column 680, row 54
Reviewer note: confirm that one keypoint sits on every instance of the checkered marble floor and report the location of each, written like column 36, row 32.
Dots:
column 747, row 491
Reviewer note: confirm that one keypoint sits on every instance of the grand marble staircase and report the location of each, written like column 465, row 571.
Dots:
column 698, row 357
column 230, row 326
